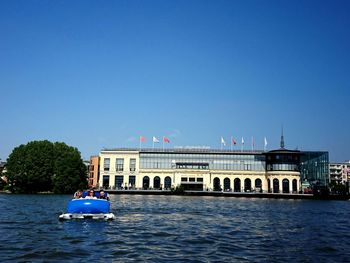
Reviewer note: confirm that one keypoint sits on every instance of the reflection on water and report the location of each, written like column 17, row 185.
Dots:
column 178, row 229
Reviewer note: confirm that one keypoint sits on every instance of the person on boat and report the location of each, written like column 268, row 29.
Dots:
column 103, row 195
column 91, row 195
column 78, row 194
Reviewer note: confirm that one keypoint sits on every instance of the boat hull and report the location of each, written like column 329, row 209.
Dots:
column 88, row 209
column 88, row 206
column 69, row 216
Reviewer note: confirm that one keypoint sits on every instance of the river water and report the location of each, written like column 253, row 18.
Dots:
column 176, row 229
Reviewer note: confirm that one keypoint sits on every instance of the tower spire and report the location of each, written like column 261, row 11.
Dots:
column 282, row 139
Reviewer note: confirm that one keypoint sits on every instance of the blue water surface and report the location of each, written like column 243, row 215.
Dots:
column 176, row 229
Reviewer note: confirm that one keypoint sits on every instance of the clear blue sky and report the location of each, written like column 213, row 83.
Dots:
column 97, row 74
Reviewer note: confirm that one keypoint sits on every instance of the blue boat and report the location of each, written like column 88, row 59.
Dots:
column 88, row 208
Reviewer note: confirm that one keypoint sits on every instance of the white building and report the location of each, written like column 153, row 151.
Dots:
column 339, row 173
column 278, row 171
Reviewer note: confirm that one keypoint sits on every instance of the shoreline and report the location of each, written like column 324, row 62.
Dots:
column 229, row 194
column 217, row 194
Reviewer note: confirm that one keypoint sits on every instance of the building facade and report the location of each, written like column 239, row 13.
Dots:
column 94, row 171
column 278, row 171
column 339, row 173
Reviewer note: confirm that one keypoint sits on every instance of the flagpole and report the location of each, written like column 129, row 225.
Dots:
column 163, row 143
column 231, row 143
column 140, row 143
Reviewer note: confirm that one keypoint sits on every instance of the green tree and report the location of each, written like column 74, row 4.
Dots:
column 45, row 166
column 69, row 169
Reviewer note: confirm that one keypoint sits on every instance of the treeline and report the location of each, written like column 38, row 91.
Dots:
column 43, row 166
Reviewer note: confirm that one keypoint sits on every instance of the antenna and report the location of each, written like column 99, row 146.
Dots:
column 282, row 139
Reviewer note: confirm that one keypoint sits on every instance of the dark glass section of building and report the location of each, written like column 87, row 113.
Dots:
column 314, row 168
column 282, row 160
column 197, row 166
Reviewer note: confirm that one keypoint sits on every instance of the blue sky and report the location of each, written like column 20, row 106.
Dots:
column 97, row 74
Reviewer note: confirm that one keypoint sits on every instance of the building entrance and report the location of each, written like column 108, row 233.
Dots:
column 192, row 186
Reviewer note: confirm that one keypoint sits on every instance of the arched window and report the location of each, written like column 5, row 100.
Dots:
column 295, row 186
column 145, row 183
column 237, row 185
column 167, row 183
column 258, row 185
column 247, row 185
column 276, row 186
column 156, row 182
column 285, row 186
column 217, row 186
column 227, row 184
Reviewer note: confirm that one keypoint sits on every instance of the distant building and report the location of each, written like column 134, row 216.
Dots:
column 2, row 166
column 3, row 171
column 277, row 171
column 94, row 171
column 339, row 173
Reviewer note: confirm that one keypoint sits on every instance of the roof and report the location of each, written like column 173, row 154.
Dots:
column 186, row 150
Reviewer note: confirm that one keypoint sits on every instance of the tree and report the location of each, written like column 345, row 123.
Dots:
column 69, row 170
column 45, row 166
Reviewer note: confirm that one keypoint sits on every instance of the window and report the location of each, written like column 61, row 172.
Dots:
column 119, row 164
column 199, row 179
column 132, row 165
column 105, row 182
column 167, row 182
column 192, row 179
column 204, row 166
column 183, row 179
column 106, row 163
column 119, row 181
column 132, row 181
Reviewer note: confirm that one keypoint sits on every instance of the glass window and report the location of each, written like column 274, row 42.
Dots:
column 132, row 181
column 106, row 163
column 167, row 182
column 105, row 182
column 119, row 164
column 132, row 165
column 119, row 181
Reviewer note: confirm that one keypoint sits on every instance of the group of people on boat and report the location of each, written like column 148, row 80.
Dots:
column 91, row 195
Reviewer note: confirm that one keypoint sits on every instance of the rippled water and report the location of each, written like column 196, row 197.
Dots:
column 176, row 229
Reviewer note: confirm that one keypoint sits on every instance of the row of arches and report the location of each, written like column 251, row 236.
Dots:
column 238, row 185
column 156, row 183
column 285, row 186
column 247, row 185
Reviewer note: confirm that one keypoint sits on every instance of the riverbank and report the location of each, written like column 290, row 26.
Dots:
column 228, row 194
column 218, row 193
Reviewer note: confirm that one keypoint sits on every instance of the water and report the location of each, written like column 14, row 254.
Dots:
column 176, row 229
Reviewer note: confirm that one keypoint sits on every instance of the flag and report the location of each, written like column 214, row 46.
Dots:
column 265, row 142
column 142, row 139
column 223, row 141
column 242, row 140
column 166, row 140
column 234, row 141
column 155, row 140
